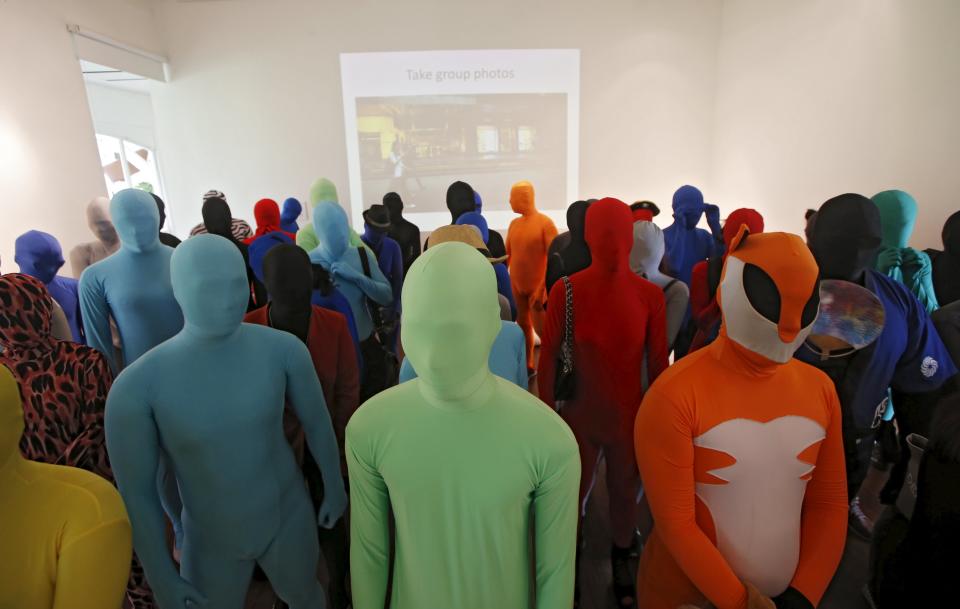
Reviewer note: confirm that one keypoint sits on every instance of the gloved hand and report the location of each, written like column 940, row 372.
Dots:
column 333, row 506
column 341, row 270
column 179, row 593
column 889, row 258
column 756, row 599
column 917, row 263
column 712, row 212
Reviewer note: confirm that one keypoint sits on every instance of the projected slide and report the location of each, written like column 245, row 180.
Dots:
column 415, row 122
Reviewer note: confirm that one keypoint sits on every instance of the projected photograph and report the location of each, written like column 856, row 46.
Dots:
column 418, row 145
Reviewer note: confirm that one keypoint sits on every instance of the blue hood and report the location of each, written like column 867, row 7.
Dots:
column 39, row 255
column 333, row 233
column 259, row 247
column 688, row 206
column 290, row 212
column 475, row 219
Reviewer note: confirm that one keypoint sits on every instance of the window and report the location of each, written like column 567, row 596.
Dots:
column 127, row 165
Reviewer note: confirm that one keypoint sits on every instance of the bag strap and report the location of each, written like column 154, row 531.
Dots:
column 364, row 260
column 669, row 285
column 566, row 345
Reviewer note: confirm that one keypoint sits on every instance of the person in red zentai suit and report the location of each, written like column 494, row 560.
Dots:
column 705, row 278
column 267, row 214
column 528, row 240
column 741, row 452
column 618, row 317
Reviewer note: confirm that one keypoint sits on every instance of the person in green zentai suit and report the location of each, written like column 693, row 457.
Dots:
column 460, row 457
column 323, row 190
column 911, row 267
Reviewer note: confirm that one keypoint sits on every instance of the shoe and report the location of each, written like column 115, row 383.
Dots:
column 624, row 579
column 860, row 524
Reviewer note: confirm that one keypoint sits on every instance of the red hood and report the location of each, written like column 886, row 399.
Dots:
column 609, row 234
column 267, row 214
column 737, row 217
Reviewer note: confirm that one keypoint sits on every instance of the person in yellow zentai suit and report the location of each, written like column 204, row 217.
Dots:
column 66, row 541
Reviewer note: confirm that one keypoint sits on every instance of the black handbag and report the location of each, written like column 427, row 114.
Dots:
column 564, row 383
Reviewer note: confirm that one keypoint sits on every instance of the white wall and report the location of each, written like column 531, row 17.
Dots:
column 49, row 167
column 254, row 105
column 121, row 113
column 821, row 97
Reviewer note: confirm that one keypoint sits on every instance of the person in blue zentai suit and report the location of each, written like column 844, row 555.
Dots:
column 289, row 213
column 687, row 244
column 244, row 498
column 132, row 286
column 39, row 255
column 376, row 224
column 474, row 218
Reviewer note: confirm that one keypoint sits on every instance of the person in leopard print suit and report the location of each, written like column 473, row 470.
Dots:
column 64, row 388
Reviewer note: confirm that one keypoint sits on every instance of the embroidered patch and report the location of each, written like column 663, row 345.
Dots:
column 929, row 367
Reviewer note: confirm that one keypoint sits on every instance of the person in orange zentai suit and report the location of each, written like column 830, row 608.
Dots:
column 740, row 449
column 528, row 240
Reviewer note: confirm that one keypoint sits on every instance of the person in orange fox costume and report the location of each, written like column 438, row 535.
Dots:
column 740, row 450
column 528, row 240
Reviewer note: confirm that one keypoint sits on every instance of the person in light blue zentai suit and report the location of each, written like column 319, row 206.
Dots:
column 342, row 261
column 39, row 255
column 132, row 286
column 213, row 395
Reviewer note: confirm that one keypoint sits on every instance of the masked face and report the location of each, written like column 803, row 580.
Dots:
column 291, row 210
column 898, row 215
column 688, row 206
column 11, row 417
column 332, row 229
column 209, row 281
column 135, row 215
column 288, row 276
column 521, row 198
column 98, row 219
column 648, row 248
column 323, row 190
column 609, row 234
column 451, row 315
column 217, row 217
column 769, row 294
column 845, row 237
column 39, row 255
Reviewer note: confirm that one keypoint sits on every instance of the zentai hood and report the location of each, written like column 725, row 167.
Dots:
column 26, row 313
column 137, row 220
column 609, row 234
column 100, row 223
column 769, row 293
column 687, row 206
column 333, row 233
column 898, row 215
column 209, row 279
column 846, row 237
column 738, row 218
column 475, row 219
column 323, row 190
column 521, row 199
column 451, row 316
column 460, row 200
column 39, row 255
column 291, row 211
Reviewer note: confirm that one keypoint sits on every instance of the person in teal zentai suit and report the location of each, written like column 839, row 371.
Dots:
column 244, row 498
column 132, row 286
column 896, row 259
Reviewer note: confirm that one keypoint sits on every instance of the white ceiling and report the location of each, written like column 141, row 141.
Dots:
column 103, row 75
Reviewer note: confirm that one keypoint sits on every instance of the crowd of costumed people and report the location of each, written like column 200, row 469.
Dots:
column 426, row 415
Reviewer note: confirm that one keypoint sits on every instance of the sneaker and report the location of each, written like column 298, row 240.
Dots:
column 860, row 524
